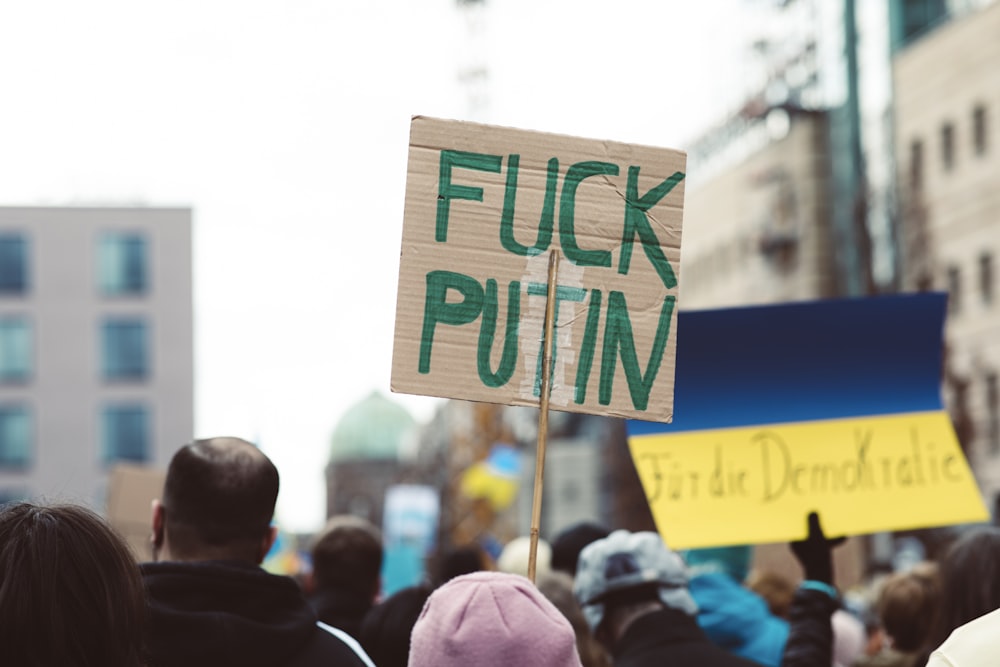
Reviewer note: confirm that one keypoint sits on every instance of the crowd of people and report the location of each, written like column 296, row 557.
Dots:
column 72, row 594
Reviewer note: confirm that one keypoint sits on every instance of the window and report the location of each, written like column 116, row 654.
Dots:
column 125, row 433
column 916, row 165
column 948, row 146
column 986, row 277
column 124, row 349
column 15, row 350
column 979, row 130
column 993, row 413
column 15, row 436
column 954, row 289
column 121, row 264
column 13, row 264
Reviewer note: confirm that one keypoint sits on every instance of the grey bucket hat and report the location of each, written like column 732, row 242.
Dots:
column 625, row 560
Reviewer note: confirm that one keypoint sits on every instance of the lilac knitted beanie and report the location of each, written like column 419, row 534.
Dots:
column 488, row 619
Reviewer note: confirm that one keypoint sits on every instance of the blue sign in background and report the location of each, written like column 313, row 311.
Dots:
column 806, row 361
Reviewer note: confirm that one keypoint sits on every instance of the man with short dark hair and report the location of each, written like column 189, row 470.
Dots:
column 211, row 603
column 568, row 543
column 347, row 568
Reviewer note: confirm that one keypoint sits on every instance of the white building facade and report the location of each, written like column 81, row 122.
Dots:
column 96, row 346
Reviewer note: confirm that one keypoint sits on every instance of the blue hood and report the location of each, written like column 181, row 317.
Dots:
column 738, row 619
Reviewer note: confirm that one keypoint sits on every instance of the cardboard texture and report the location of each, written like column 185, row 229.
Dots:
column 484, row 208
column 131, row 491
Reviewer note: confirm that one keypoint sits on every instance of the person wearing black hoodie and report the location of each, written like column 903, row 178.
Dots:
column 347, row 565
column 211, row 603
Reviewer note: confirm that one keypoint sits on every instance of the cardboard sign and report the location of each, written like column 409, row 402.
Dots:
column 131, row 491
column 484, row 208
column 829, row 406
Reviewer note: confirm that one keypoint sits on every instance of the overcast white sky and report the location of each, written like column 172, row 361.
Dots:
column 284, row 125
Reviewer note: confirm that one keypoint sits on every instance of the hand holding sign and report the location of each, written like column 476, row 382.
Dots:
column 815, row 552
column 471, row 322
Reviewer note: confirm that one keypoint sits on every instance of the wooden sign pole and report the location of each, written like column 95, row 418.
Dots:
column 548, row 343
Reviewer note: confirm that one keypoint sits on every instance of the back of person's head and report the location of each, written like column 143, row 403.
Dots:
column 776, row 589
column 568, row 544
column 461, row 560
column 385, row 631
column 218, row 501
column 515, row 555
column 347, row 556
column 557, row 587
column 908, row 604
column 491, row 619
column 70, row 590
column 970, row 580
column 626, row 572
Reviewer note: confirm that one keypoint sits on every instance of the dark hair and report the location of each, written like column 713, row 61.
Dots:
column 628, row 597
column 970, row 581
column 219, row 497
column 385, row 631
column 621, row 604
column 557, row 587
column 70, row 590
column 568, row 544
column 348, row 556
column 776, row 589
column 907, row 605
column 461, row 560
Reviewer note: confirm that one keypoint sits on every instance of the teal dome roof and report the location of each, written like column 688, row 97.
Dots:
column 371, row 429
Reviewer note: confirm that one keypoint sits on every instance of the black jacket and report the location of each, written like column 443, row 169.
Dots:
column 810, row 639
column 221, row 613
column 341, row 609
column 671, row 637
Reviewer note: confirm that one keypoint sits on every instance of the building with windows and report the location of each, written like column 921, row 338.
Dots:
column 947, row 115
column 761, row 230
column 805, row 59
column 96, row 345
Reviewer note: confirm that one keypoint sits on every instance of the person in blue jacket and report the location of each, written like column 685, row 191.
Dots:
column 733, row 616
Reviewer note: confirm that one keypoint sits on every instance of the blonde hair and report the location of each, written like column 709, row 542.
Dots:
column 514, row 557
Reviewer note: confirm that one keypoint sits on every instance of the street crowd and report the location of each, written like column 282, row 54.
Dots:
column 72, row 594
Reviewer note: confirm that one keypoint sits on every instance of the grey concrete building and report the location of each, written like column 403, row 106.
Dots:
column 96, row 346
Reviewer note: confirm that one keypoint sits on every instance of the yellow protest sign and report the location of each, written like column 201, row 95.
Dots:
column 752, row 485
column 831, row 406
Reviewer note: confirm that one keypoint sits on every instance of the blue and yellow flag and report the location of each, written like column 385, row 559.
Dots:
column 833, row 406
